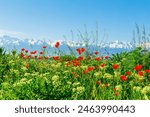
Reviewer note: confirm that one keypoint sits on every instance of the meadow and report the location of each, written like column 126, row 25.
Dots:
column 33, row 75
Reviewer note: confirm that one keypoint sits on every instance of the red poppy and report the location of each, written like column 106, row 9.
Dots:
column 34, row 52
column 76, row 76
column 40, row 57
column 79, row 51
column 46, row 57
column 61, row 61
column 96, row 53
column 80, row 58
column 82, row 49
column 147, row 70
column 55, row 57
column 90, row 68
column 97, row 58
column 67, row 64
column 102, row 57
column 73, row 73
column 140, row 73
column 41, row 52
column 22, row 49
column 44, row 46
column 29, row 56
column 98, row 82
column 31, row 52
column 115, row 66
column 123, row 78
column 128, row 73
column 106, row 57
column 76, row 63
column 26, row 51
column 57, row 44
column 22, row 55
column 86, row 71
column 138, row 67
column 116, row 93
column 103, row 65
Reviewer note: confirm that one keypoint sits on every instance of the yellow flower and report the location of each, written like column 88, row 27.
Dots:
column 139, row 78
column 107, row 75
column 136, row 88
column 55, row 78
column 23, row 80
column 145, row 90
column 97, row 74
column 118, row 87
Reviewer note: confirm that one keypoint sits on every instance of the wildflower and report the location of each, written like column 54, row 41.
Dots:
column 116, row 93
column 80, row 58
column 57, row 44
column 76, row 76
column 145, row 90
column 90, row 68
column 22, row 55
column 26, row 51
column 76, row 63
column 41, row 52
column 27, row 65
column 106, row 57
column 46, row 57
column 22, row 49
column 97, row 74
column 55, row 78
column 115, row 66
column 123, row 78
column 78, row 50
column 138, row 67
column 55, row 57
column 73, row 73
column 82, row 49
column 107, row 75
column 147, row 71
column 96, row 53
column 102, row 65
column 140, row 73
column 118, row 88
column 136, row 88
column 40, row 57
column 98, row 82
column 44, row 46
column 128, row 73
column 97, row 59
column 139, row 78
column 34, row 52
column 86, row 71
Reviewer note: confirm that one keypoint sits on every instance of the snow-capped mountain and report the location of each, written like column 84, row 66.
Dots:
column 10, row 43
column 6, row 41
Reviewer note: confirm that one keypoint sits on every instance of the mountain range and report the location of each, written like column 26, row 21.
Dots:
column 9, row 43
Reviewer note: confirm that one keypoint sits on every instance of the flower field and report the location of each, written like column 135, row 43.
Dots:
column 32, row 75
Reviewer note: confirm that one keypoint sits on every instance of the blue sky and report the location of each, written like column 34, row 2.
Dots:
column 51, row 19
